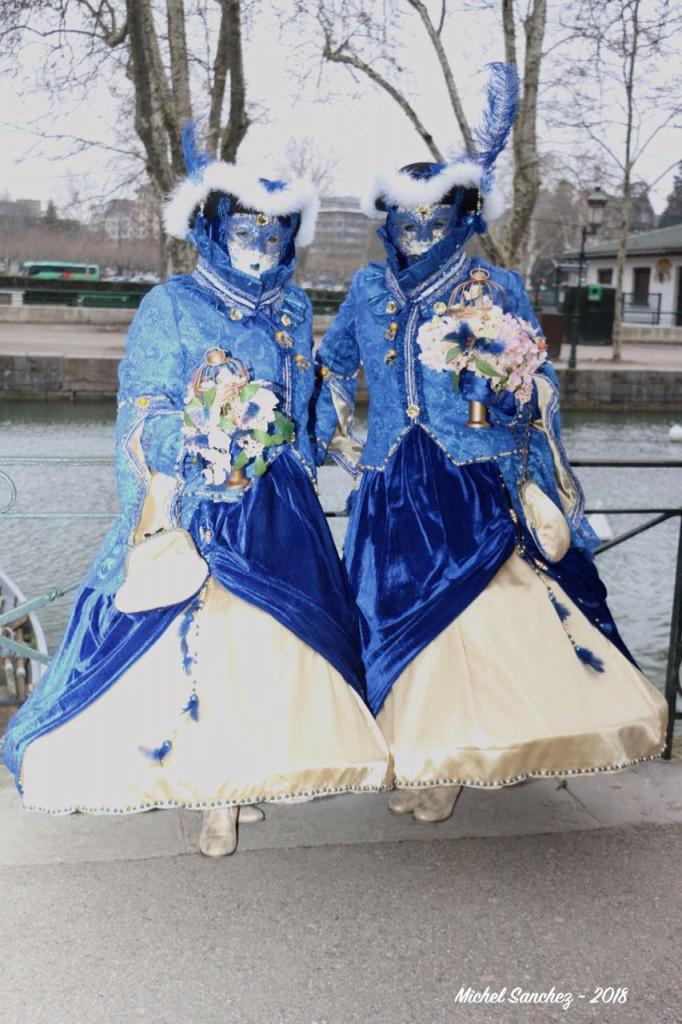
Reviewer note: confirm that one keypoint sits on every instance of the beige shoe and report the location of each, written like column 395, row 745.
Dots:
column 437, row 804
column 404, row 801
column 219, row 832
column 250, row 814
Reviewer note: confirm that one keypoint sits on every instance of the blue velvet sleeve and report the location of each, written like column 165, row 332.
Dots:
column 336, row 365
column 151, row 376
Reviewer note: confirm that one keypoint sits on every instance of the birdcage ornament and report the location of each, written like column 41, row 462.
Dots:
column 479, row 291
column 205, row 376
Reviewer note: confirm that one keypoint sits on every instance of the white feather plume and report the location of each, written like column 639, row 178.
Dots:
column 298, row 196
column 398, row 188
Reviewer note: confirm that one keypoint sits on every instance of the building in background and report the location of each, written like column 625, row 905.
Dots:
column 114, row 219
column 20, row 213
column 146, row 213
column 652, row 282
column 345, row 240
column 124, row 220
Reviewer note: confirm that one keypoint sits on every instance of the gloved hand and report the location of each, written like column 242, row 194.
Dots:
column 478, row 389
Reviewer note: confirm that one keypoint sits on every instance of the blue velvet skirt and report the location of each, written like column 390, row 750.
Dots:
column 424, row 540
column 273, row 548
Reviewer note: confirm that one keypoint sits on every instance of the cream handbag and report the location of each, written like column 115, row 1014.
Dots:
column 546, row 522
column 162, row 569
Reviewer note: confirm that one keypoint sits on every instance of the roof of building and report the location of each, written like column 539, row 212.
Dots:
column 649, row 243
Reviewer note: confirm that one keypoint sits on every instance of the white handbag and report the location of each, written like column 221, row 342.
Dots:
column 162, row 569
column 546, row 522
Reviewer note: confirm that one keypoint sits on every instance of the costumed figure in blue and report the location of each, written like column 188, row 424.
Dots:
column 212, row 657
column 490, row 653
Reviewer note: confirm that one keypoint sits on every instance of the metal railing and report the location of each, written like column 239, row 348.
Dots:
column 641, row 307
column 673, row 684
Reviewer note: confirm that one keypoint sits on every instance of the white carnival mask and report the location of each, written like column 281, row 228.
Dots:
column 254, row 242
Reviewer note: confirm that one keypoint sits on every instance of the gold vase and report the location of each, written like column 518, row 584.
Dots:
column 478, row 415
column 237, row 478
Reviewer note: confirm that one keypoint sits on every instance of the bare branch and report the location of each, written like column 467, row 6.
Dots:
column 453, row 93
column 336, row 56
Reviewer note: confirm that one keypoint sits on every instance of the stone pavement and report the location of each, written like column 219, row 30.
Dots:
column 108, row 342
column 337, row 912
column 649, row 356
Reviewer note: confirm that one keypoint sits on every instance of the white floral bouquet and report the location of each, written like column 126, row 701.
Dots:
column 483, row 339
column 230, row 421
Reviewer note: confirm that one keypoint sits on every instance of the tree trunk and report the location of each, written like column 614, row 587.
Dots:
column 239, row 121
column 181, row 256
column 526, row 161
column 631, row 58
column 508, row 247
column 162, row 108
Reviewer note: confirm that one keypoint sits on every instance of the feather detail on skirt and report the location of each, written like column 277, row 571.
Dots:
column 157, row 753
column 192, row 707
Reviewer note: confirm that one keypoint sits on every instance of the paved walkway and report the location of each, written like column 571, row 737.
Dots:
column 86, row 340
column 337, row 912
column 76, row 340
column 635, row 357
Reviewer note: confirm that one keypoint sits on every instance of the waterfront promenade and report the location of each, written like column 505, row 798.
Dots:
column 79, row 360
column 85, row 341
column 337, row 912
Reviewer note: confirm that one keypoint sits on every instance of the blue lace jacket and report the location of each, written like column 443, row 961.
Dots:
column 265, row 322
column 377, row 327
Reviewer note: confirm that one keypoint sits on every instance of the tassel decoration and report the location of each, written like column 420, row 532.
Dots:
column 192, row 707
column 561, row 609
column 589, row 658
column 188, row 657
column 157, row 753
column 585, row 655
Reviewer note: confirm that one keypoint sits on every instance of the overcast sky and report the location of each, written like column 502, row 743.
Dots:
column 362, row 132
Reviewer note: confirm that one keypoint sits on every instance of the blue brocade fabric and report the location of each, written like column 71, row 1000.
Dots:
column 403, row 392
column 425, row 539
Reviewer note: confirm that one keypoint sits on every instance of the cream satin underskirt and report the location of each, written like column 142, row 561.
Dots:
column 276, row 722
column 500, row 696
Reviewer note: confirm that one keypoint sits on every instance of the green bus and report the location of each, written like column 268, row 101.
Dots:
column 51, row 271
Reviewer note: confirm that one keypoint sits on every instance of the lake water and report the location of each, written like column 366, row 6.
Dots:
column 41, row 554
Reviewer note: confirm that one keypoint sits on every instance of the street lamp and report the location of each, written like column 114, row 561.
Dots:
column 596, row 201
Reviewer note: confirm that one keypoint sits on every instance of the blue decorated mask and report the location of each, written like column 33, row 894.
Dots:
column 414, row 232
column 256, row 242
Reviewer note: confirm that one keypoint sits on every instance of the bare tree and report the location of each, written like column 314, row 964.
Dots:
column 303, row 157
column 145, row 43
column 624, row 43
column 353, row 34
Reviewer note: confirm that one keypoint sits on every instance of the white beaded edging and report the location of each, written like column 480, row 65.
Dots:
column 522, row 776
column 208, row 805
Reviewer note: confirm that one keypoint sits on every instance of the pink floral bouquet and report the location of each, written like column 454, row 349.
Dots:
column 502, row 348
column 230, row 421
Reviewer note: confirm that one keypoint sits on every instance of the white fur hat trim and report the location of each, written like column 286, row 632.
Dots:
column 398, row 188
column 297, row 196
